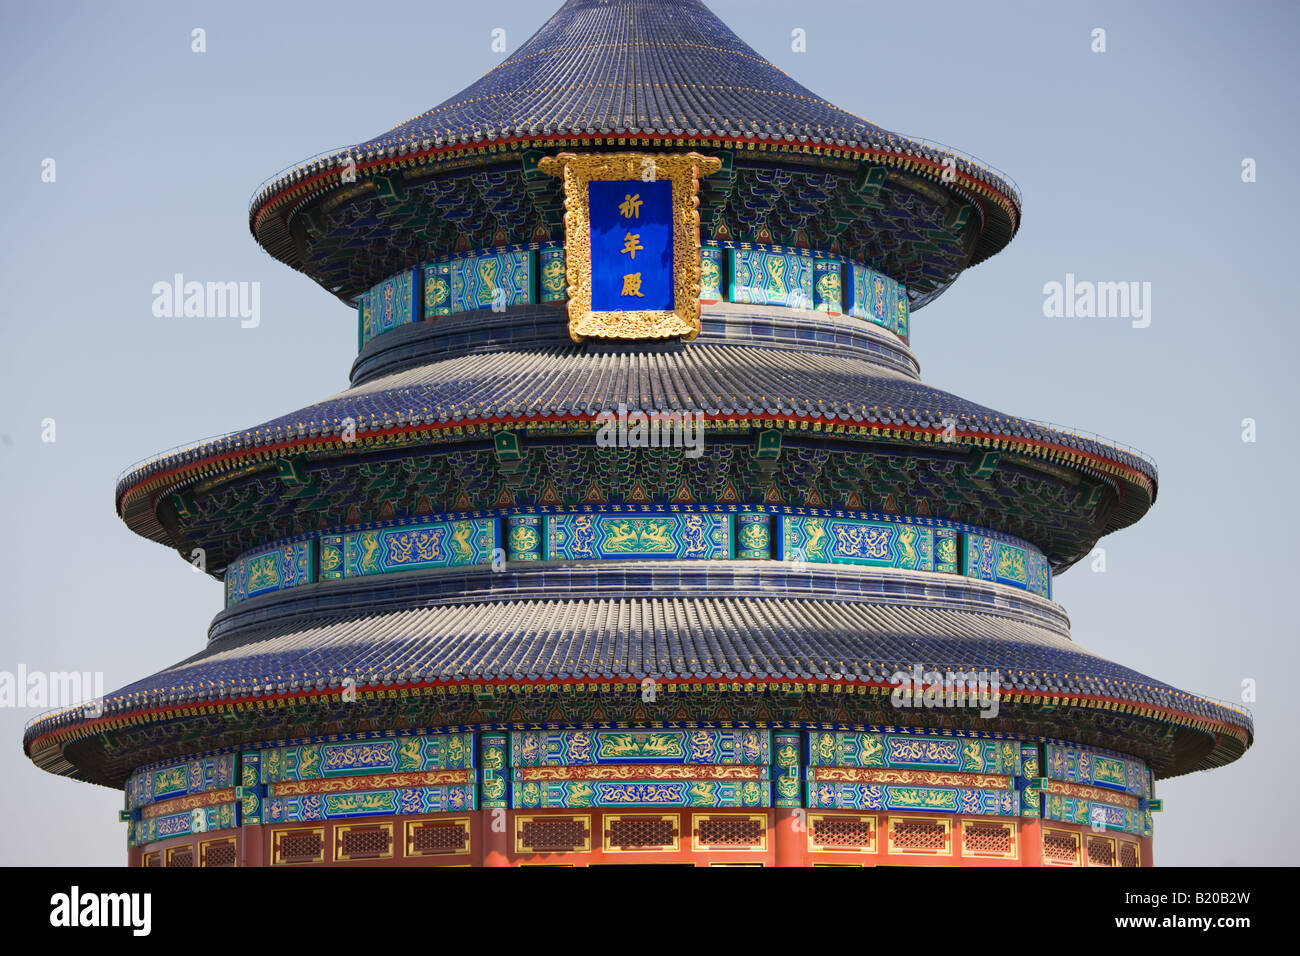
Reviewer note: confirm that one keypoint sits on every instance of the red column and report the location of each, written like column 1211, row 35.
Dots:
column 1031, row 841
column 790, row 834
column 252, row 845
column 495, row 826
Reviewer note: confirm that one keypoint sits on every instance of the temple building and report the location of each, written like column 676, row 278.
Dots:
column 636, row 536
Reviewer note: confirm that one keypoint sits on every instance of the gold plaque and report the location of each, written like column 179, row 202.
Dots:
column 632, row 242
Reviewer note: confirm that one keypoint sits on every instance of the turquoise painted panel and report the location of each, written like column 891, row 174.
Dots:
column 438, row 544
column 588, row 748
column 524, row 537
column 947, row 553
column 356, row 757
column 877, row 298
column 500, row 278
column 903, row 752
column 437, row 290
column 762, row 277
column 991, row 560
column 1094, row 813
column 391, row 801
column 861, row 796
column 180, row 779
column 753, row 537
column 199, row 820
column 250, row 775
column 1073, row 765
column 494, row 773
column 331, row 557
column 389, row 304
column 552, row 282
column 275, row 569
column 1030, row 797
column 787, row 749
column 713, row 274
column 537, row 795
column 855, row 541
column 828, row 291
column 577, row 537
column 365, row 321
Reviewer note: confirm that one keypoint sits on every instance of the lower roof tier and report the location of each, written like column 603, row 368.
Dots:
column 476, row 648
column 857, row 433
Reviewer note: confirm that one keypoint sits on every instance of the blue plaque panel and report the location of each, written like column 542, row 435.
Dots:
column 631, row 245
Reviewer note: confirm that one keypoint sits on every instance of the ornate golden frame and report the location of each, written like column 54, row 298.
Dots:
column 341, row 829
column 576, row 170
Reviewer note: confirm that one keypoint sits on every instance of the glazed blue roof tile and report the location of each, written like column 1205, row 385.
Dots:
column 634, row 67
column 667, row 637
column 712, row 379
column 653, row 65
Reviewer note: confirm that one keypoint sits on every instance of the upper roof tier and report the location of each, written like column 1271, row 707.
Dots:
column 655, row 74
column 647, row 65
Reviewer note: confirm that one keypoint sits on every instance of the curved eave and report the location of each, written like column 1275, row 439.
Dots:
column 274, row 207
column 759, row 631
column 44, row 741
column 138, row 492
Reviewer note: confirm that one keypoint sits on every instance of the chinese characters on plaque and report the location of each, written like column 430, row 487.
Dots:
column 632, row 242
column 631, row 245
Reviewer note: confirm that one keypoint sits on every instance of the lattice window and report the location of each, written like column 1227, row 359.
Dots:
column 363, row 842
column 1128, row 855
column 641, row 833
column 436, row 837
column 730, row 831
column 858, row 833
column 919, row 836
column 217, row 854
column 153, row 858
column 180, row 856
column 553, row 834
column 1101, row 851
column 1061, row 847
column 299, row 846
column 988, row 839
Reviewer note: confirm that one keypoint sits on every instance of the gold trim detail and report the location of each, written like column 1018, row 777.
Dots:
column 578, row 819
column 206, row 845
column 343, row 829
column 672, row 847
column 180, row 848
column 829, row 845
column 760, row 847
column 277, row 836
column 463, row 822
column 946, row 825
column 1071, row 836
column 1012, row 840
column 1087, row 849
column 577, row 170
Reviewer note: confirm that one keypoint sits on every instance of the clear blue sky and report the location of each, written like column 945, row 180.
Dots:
column 1129, row 162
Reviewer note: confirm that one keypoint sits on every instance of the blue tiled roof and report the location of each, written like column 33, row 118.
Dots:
column 621, row 624
column 667, row 65
column 599, row 72
column 739, row 380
